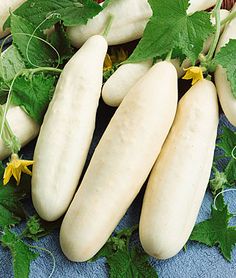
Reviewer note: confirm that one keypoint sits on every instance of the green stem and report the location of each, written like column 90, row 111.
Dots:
column 46, row 42
column 55, row 70
column 185, row 248
column 42, row 40
column 50, row 253
column 8, row 137
column 132, row 230
column 232, row 153
column 230, row 17
column 108, row 27
column 168, row 57
column 208, row 77
column 216, row 13
column 221, row 192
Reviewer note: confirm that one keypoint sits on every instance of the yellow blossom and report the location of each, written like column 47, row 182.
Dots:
column 15, row 167
column 194, row 73
column 116, row 57
column 107, row 63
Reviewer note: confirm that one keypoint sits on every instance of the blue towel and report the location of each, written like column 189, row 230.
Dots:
column 199, row 261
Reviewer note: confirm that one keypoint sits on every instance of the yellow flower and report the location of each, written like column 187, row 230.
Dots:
column 15, row 167
column 107, row 63
column 194, row 73
column 116, row 57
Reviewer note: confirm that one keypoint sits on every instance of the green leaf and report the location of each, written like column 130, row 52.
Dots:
column 216, row 230
column 227, row 141
column 114, row 243
column 7, row 218
column 11, row 63
column 34, row 94
column 171, row 29
column 37, row 228
column 124, row 261
column 34, row 229
column 227, row 59
column 130, row 264
column 60, row 41
column 71, row 12
column 219, row 181
column 140, row 265
column 21, row 253
column 219, row 202
column 120, row 265
column 35, row 51
column 10, row 203
column 230, row 171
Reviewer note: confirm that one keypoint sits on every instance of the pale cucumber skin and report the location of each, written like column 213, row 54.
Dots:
column 5, row 6
column 200, row 5
column 24, row 128
column 180, row 176
column 67, row 131
column 121, row 163
column 130, row 19
column 118, row 85
column 227, row 100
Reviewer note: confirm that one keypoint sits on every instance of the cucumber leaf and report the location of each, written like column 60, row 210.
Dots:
column 227, row 59
column 35, row 51
column 21, row 253
column 11, row 63
column 226, row 177
column 227, row 141
column 124, row 261
column 216, row 230
column 172, row 29
column 71, row 12
column 60, row 41
column 34, row 94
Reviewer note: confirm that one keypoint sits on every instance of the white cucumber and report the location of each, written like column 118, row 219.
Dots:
column 130, row 19
column 200, row 5
column 180, row 176
column 24, row 128
column 121, row 163
column 67, row 131
column 118, row 85
column 227, row 100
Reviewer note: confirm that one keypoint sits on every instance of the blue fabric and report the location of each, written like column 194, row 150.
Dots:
column 198, row 261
